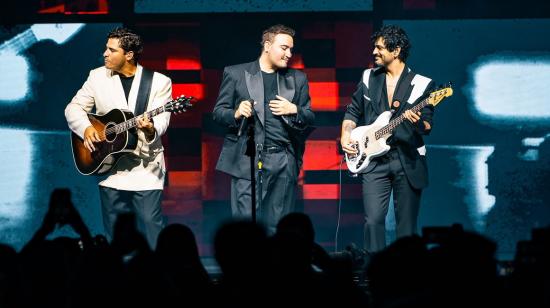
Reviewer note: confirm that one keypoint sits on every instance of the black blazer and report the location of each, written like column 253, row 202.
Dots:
column 244, row 81
column 367, row 104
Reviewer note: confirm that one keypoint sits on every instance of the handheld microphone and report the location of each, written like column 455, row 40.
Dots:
column 244, row 121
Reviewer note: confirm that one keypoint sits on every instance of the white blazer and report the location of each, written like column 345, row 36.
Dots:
column 103, row 89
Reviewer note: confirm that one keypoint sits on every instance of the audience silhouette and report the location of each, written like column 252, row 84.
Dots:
column 445, row 267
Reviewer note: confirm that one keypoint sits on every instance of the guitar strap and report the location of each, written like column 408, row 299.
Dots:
column 144, row 91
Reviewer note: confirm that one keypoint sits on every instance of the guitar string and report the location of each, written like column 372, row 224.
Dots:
column 387, row 128
column 132, row 121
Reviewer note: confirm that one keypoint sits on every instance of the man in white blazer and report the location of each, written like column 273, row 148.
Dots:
column 135, row 184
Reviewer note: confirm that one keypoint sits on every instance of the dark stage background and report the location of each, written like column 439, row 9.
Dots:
column 488, row 154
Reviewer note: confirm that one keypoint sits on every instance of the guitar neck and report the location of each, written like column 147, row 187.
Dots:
column 131, row 123
column 388, row 129
column 20, row 42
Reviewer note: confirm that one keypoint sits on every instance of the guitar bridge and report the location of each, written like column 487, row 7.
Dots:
column 361, row 160
column 356, row 147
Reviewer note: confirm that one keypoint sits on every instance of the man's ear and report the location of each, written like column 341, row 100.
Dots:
column 267, row 46
column 129, row 55
column 396, row 51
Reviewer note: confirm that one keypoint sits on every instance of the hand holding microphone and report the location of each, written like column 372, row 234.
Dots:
column 244, row 111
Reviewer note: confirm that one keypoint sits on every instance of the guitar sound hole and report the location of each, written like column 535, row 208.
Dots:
column 110, row 136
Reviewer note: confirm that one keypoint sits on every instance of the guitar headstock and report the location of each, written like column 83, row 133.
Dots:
column 437, row 96
column 179, row 104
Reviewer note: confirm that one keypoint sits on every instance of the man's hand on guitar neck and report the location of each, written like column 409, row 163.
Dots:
column 90, row 136
column 146, row 125
column 415, row 117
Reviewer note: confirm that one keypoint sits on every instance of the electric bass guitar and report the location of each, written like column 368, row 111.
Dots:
column 371, row 139
column 118, row 137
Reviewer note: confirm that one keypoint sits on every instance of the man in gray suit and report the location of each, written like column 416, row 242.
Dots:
column 276, row 98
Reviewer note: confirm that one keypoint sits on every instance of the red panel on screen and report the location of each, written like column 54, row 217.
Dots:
column 320, row 74
column 323, row 89
column 324, row 96
column 321, row 155
column 320, row 191
column 324, row 103
column 177, row 63
column 296, row 62
column 184, row 178
column 188, row 89
column 60, row 8
column 92, row 7
column 331, row 191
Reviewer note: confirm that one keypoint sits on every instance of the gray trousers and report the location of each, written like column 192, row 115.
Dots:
column 388, row 175
column 145, row 204
column 279, row 178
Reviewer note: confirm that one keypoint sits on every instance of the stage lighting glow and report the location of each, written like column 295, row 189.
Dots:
column 14, row 67
column 16, row 152
column 474, row 179
column 509, row 89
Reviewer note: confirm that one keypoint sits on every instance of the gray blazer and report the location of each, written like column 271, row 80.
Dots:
column 244, row 81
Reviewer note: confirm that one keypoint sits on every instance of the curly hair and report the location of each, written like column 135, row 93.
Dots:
column 394, row 37
column 270, row 33
column 128, row 40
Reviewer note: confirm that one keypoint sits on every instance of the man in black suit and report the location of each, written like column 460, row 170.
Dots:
column 403, row 170
column 276, row 98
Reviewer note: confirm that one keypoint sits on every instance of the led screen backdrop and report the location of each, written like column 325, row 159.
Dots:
column 43, row 65
column 489, row 158
column 488, row 153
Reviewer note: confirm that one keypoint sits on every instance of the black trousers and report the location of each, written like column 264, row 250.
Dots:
column 279, row 178
column 388, row 175
column 146, row 204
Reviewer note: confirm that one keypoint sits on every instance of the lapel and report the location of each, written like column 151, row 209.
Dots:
column 402, row 90
column 255, row 87
column 286, row 85
column 377, row 83
column 286, row 88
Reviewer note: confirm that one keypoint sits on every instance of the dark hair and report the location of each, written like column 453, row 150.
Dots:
column 272, row 31
column 394, row 37
column 128, row 40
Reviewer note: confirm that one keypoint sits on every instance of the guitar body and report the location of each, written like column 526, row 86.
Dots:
column 371, row 139
column 368, row 146
column 117, row 130
column 108, row 151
